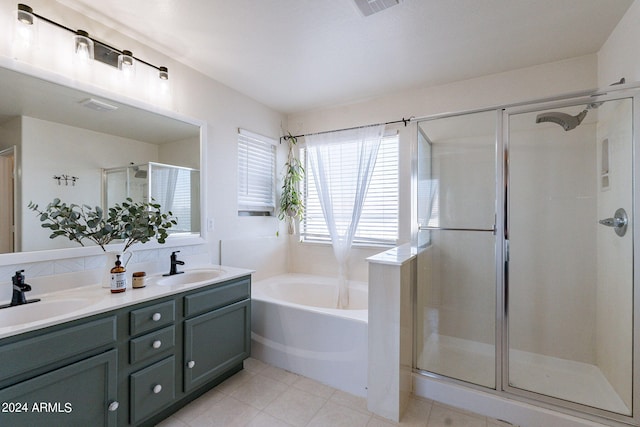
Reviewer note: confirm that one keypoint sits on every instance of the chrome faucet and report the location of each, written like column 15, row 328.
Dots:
column 19, row 288
column 174, row 265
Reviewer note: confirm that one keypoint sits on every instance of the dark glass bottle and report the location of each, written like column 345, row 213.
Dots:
column 118, row 277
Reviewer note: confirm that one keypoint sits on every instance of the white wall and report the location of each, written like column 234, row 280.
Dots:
column 619, row 56
column 190, row 93
column 51, row 149
column 184, row 153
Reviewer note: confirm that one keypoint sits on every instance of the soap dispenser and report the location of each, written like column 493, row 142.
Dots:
column 118, row 277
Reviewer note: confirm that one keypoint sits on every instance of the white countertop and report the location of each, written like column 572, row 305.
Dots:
column 395, row 256
column 94, row 299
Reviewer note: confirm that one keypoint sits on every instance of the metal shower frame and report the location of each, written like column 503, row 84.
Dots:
column 501, row 231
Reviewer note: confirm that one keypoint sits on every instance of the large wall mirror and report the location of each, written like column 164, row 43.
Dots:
column 61, row 142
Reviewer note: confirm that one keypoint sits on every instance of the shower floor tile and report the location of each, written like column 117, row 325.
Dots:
column 473, row 362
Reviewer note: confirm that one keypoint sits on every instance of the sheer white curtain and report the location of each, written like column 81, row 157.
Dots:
column 342, row 164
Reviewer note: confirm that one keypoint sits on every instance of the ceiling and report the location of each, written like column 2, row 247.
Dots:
column 298, row 55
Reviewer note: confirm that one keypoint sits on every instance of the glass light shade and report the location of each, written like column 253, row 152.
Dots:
column 163, row 73
column 127, row 63
column 25, row 35
column 25, row 14
column 83, row 45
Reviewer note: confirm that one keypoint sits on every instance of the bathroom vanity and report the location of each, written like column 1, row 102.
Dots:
column 133, row 364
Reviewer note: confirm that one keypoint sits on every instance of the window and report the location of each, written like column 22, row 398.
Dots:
column 379, row 219
column 175, row 189
column 256, row 174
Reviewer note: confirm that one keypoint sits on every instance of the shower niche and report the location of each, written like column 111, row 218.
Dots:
column 175, row 188
column 524, row 286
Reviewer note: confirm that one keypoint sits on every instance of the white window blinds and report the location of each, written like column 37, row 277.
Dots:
column 256, row 174
column 379, row 219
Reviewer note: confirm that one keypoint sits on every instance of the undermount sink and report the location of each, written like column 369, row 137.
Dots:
column 192, row 276
column 40, row 310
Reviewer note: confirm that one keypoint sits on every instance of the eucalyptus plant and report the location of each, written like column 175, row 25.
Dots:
column 291, row 200
column 130, row 221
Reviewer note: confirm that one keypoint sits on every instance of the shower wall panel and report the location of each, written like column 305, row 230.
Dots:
column 615, row 268
column 552, row 262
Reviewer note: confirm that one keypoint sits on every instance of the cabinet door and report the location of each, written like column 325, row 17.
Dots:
column 215, row 342
column 152, row 389
column 77, row 395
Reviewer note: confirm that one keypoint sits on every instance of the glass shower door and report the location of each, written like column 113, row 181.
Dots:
column 456, row 291
column 570, row 254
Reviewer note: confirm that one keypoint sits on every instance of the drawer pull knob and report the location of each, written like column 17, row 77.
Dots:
column 191, row 364
column 156, row 317
column 157, row 388
column 157, row 344
column 113, row 406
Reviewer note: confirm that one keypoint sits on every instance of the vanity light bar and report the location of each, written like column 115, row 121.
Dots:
column 87, row 45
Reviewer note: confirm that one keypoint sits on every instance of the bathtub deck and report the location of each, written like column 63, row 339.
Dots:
column 474, row 362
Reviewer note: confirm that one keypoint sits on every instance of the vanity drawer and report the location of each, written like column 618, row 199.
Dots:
column 152, row 388
column 217, row 297
column 152, row 317
column 28, row 355
column 152, row 344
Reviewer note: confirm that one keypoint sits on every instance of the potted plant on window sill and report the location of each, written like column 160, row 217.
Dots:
column 291, row 201
column 131, row 222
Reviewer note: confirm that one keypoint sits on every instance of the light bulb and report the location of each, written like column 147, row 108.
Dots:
column 25, row 32
column 127, row 64
column 163, row 73
column 83, row 45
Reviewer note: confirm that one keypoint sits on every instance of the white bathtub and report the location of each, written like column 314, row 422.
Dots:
column 295, row 326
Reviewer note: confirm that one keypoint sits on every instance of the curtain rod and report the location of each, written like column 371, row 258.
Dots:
column 403, row 120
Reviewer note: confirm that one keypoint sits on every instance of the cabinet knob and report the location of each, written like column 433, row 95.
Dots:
column 113, row 406
column 157, row 344
column 157, row 388
column 191, row 364
column 156, row 317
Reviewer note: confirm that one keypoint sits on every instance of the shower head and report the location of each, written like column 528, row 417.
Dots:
column 138, row 173
column 567, row 121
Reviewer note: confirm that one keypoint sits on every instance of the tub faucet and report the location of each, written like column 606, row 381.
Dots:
column 19, row 288
column 174, row 265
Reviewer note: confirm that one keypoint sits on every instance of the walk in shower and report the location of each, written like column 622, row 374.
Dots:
column 526, row 274
column 175, row 188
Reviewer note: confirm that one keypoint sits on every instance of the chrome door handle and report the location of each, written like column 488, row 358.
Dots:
column 619, row 222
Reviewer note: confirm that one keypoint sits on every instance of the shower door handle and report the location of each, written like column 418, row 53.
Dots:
column 618, row 222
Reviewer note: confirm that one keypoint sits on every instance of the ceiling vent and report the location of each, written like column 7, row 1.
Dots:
column 94, row 104
column 369, row 7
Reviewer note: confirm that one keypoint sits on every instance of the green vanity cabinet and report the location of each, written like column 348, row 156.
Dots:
column 66, row 376
column 152, row 389
column 132, row 366
column 76, row 395
column 215, row 342
column 217, row 331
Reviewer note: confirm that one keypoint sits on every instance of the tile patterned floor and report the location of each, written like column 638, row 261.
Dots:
column 264, row 396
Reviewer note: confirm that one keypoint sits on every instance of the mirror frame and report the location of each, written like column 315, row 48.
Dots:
column 84, row 251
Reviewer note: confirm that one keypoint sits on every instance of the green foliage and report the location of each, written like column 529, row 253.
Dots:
column 130, row 221
column 291, row 202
